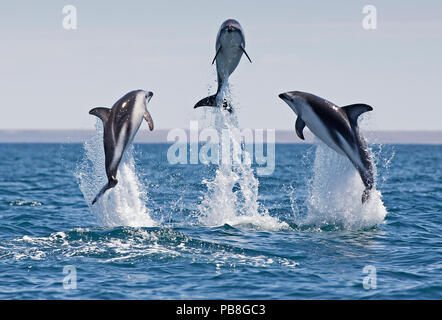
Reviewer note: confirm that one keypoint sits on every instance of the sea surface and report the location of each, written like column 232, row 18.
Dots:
column 203, row 231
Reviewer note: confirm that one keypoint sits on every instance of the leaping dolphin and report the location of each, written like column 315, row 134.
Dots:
column 336, row 127
column 230, row 45
column 120, row 124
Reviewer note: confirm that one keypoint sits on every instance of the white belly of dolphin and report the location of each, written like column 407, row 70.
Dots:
column 321, row 131
column 352, row 152
column 129, row 129
column 230, row 54
column 318, row 128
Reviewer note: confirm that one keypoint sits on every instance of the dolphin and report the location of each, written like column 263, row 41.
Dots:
column 121, row 123
column 337, row 127
column 230, row 45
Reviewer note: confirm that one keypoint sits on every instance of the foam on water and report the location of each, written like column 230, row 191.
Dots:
column 232, row 196
column 129, row 245
column 123, row 205
column 112, row 245
column 334, row 194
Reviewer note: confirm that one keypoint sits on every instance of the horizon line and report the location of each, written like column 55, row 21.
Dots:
column 160, row 136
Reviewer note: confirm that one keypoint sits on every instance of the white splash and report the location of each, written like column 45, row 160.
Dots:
column 123, row 205
column 334, row 196
column 232, row 196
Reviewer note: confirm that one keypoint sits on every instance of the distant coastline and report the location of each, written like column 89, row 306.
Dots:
column 160, row 136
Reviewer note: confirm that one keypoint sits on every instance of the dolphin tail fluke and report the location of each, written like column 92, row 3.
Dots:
column 111, row 183
column 209, row 101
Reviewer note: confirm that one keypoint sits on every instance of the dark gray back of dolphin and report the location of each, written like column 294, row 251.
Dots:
column 120, row 123
column 342, row 131
column 223, row 68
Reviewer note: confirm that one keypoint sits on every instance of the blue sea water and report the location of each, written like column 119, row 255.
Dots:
column 182, row 231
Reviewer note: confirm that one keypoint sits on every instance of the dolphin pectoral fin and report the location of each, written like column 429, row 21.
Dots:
column 299, row 126
column 111, row 183
column 209, row 101
column 353, row 111
column 100, row 112
column 148, row 119
column 216, row 55
column 244, row 50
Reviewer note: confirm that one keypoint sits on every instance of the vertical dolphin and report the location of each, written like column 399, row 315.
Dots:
column 120, row 124
column 336, row 127
column 230, row 45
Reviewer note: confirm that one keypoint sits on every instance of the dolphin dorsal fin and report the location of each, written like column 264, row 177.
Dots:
column 299, row 126
column 353, row 111
column 100, row 112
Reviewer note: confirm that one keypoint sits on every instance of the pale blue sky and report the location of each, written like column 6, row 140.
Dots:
column 51, row 77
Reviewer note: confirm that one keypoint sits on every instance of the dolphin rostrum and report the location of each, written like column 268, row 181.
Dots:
column 121, row 123
column 336, row 127
column 230, row 45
